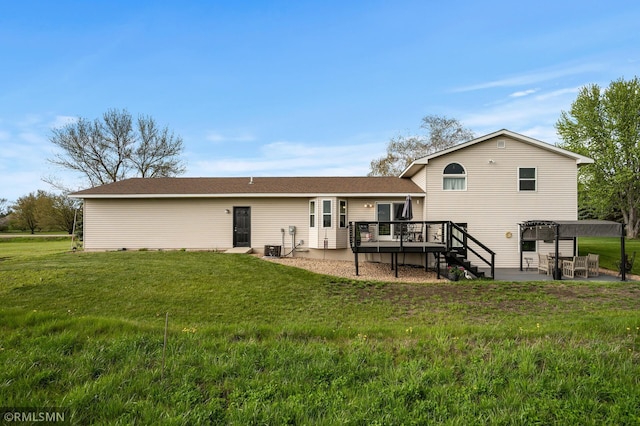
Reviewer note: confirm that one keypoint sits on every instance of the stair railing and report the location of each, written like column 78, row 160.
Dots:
column 464, row 242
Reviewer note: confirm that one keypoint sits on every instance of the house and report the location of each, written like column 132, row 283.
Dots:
column 487, row 186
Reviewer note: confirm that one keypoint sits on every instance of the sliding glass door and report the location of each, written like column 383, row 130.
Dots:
column 388, row 212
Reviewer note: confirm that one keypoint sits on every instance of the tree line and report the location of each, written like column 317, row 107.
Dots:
column 602, row 123
column 40, row 211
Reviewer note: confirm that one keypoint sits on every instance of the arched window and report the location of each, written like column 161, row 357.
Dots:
column 454, row 178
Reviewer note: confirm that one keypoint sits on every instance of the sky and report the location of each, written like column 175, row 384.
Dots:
column 297, row 88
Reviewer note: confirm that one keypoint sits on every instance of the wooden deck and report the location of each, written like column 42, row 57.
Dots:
column 447, row 242
column 394, row 248
column 400, row 247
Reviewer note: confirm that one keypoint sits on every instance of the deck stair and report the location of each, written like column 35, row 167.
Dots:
column 459, row 243
column 449, row 242
column 454, row 257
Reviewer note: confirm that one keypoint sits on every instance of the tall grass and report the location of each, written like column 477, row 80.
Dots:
column 252, row 342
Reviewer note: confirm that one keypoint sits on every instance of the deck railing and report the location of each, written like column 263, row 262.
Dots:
column 396, row 232
column 405, row 236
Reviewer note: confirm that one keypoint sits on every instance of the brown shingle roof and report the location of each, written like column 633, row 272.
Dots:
column 261, row 186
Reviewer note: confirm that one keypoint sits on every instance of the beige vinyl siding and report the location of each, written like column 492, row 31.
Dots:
column 190, row 223
column 111, row 224
column 420, row 179
column 491, row 205
column 269, row 216
column 357, row 210
column 204, row 224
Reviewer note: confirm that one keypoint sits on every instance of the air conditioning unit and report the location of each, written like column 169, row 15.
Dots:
column 272, row 251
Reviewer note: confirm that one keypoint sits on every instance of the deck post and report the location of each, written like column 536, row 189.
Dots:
column 557, row 271
column 356, row 260
column 396, row 254
column 521, row 235
column 493, row 266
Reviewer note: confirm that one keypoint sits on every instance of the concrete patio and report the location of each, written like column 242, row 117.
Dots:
column 514, row 274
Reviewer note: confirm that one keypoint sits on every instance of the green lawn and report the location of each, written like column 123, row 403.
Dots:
column 609, row 251
column 253, row 342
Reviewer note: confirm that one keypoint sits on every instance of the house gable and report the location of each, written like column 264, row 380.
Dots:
column 501, row 141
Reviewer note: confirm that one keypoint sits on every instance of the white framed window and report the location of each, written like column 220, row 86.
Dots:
column 342, row 213
column 454, row 178
column 327, row 215
column 312, row 214
column 527, row 179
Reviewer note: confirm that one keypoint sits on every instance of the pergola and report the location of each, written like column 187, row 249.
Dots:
column 549, row 230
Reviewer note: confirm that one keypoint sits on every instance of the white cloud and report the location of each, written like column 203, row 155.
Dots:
column 542, row 133
column 33, row 138
column 558, row 93
column 219, row 137
column 523, row 93
column 22, row 183
column 533, row 116
column 532, row 77
column 62, row 121
column 284, row 158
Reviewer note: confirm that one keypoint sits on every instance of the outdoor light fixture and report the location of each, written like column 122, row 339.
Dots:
column 227, row 211
column 368, row 205
column 491, row 162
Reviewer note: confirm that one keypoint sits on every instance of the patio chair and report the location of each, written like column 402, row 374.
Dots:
column 543, row 264
column 593, row 265
column 415, row 232
column 575, row 267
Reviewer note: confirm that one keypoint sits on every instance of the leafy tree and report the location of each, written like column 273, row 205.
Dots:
column 25, row 214
column 44, row 211
column 56, row 212
column 115, row 147
column 441, row 133
column 604, row 124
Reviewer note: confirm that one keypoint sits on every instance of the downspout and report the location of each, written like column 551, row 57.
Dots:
column 520, row 242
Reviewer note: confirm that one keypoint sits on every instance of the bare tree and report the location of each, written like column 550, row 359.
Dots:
column 4, row 207
column 157, row 152
column 111, row 149
column 441, row 133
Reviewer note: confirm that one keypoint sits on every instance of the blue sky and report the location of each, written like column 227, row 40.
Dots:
column 297, row 88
